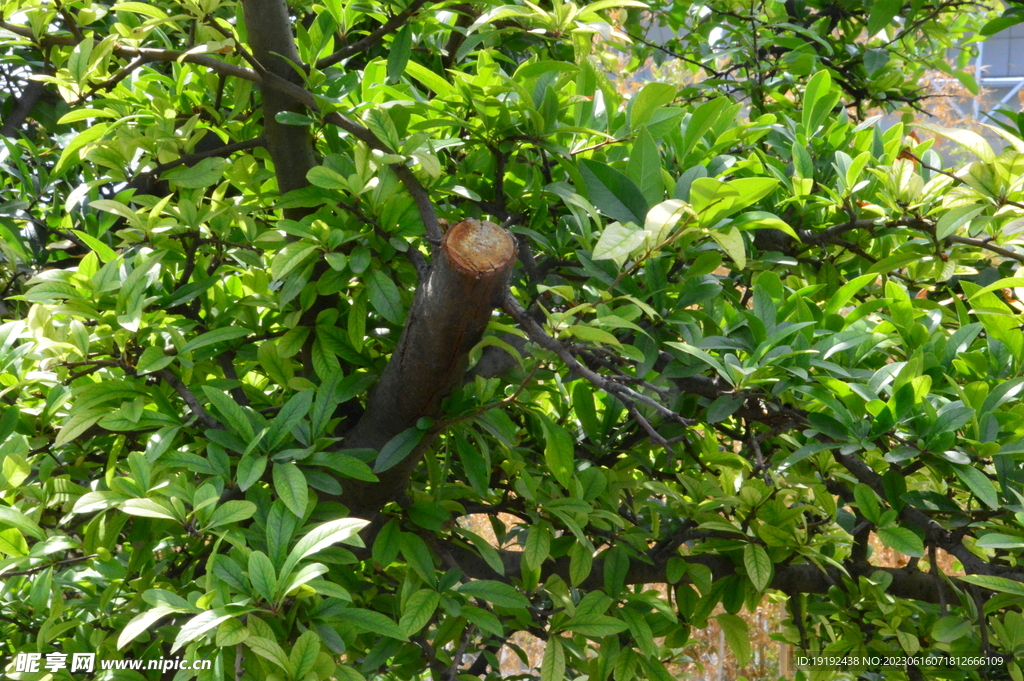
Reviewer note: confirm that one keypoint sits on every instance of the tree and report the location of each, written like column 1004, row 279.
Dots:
column 292, row 291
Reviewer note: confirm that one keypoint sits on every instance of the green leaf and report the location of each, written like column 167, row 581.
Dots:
column 233, row 415
column 552, row 666
column 815, row 96
column 969, row 140
column 430, row 79
column 231, row 512
column 618, row 242
column 15, row 518
column 322, row 536
column 558, row 451
column 289, row 417
column 290, row 257
column 152, row 359
column 498, row 593
column 70, row 155
column 380, row 124
column 846, row 292
column 592, row 334
column 291, row 486
column 662, row 219
column 79, row 422
column 882, row 14
column 487, row 552
column 616, row 567
column 979, row 484
column 702, row 120
column 267, row 649
column 142, row 622
column 1001, row 584
column 304, row 654
column 147, row 508
column 476, row 463
column 369, row 620
column 875, row 59
column 949, row 629
column 596, row 626
column 418, row 556
column 704, row 357
column 483, row 619
column 203, row 174
column 995, row 540
column 346, row 465
column 758, row 565
column 581, row 560
column 199, row 625
column 956, row 218
column 293, row 118
column 867, row 502
column 903, row 540
column 731, row 241
column 104, row 252
column 250, row 469
column 78, row 62
column 385, row 297
column 613, row 193
column 221, row 335
column 538, row 546
column 650, row 97
column 397, row 449
column 398, row 56
column 322, row 176
column 262, row 575
column 645, row 167
column 418, row 610
column 737, row 635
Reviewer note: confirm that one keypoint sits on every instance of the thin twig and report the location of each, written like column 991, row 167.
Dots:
column 610, row 386
column 40, row 568
column 373, row 38
column 714, row 72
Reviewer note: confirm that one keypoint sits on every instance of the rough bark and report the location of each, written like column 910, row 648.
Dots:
column 25, row 103
column 448, row 317
column 273, row 47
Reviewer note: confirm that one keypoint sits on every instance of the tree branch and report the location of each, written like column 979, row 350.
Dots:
column 201, row 415
column 26, row 102
column 373, row 38
column 448, row 317
column 274, row 51
column 979, row 243
column 537, row 334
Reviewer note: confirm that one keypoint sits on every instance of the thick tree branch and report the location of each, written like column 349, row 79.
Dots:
column 273, row 46
column 26, row 102
column 935, row 533
column 448, row 317
column 292, row 174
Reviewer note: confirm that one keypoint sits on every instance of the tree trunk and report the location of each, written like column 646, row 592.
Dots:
column 290, row 146
column 22, row 109
column 448, row 317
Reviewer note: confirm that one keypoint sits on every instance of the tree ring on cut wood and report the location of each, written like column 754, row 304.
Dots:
column 477, row 249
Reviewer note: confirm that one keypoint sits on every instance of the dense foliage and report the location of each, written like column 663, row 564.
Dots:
column 750, row 328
